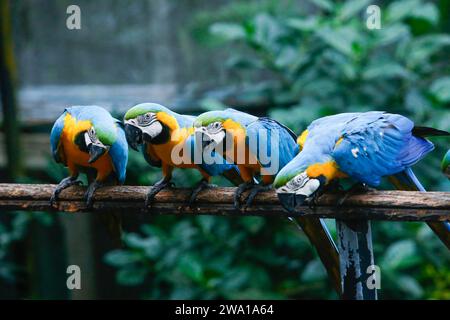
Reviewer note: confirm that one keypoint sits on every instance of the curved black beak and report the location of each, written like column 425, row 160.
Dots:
column 290, row 201
column 134, row 136
column 202, row 139
column 95, row 152
column 206, row 140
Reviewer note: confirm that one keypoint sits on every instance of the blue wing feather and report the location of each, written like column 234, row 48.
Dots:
column 55, row 135
column 273, row 144
column 119, row 154
column 378, row 144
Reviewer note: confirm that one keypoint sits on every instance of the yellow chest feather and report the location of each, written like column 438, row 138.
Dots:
column 74, row 156
column 329, row 170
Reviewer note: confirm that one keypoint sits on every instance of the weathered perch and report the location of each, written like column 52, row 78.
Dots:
column 374, row 205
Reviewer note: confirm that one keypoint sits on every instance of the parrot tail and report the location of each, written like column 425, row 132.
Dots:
column 407, row 180
column 318, row 234
column 429, row 132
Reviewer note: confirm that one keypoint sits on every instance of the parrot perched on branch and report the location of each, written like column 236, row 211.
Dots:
column 446, row 164
column 261, row 147
column 248, row 141
column 362, row 146
column 161, row 132
column 87, row 139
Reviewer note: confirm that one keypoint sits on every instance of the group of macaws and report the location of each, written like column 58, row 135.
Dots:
column 362, row 146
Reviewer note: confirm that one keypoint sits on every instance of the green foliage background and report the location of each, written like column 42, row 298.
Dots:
column 298, row 61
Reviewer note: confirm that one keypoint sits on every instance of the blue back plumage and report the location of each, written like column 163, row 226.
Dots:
column 378, row 145
column 119, row 153
column 55, row 135
column 273, row 144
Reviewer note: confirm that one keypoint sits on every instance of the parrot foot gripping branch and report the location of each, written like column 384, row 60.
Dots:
column 353, row 216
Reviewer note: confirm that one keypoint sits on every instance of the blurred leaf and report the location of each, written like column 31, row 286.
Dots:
column 323, row 4
column 253, row 224
column 440, row 88
column 391, row 34
column 410, row 286
column 267, row 31
column 121, row 257
column 399, row 255
column 241, row 62
column 314, row 271
column 427, row 12
column 351, row 8
column 341, row 39
column 228, row 31
column 398, row 10
column 422, row 48
column 303, row 24
column 191, row 267
column 385, row 70
column 131, row 277
column 288, row 57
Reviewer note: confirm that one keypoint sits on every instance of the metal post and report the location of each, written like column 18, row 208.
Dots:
column 356, row 259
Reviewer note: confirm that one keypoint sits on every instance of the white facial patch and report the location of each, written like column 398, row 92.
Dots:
column 131, row 121
column 217, row 137
column 294, row 184
column 300, row 184
column 153, row 129
column 87, row 139
column 91, row 138
column 309, row 188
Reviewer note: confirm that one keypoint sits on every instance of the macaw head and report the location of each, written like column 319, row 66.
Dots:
column 96, row 130
column 298, row 181
column 213, row 127
column 446, row 164
column 150, row 123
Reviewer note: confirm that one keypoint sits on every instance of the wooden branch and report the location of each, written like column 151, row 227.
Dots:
column 374, row 205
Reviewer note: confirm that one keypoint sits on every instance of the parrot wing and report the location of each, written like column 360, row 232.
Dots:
column 119, row 153
column 55, row 136
column 269, row 134
column 368, row 150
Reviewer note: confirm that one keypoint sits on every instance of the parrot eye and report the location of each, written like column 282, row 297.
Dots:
column 298, row 181
column 146, row 119
column 215, row 126
column 92, row 134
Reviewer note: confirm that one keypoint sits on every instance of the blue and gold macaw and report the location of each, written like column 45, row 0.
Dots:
column 162, row 135
column 362, row 146
column 446, row 164
column 89, row 140
column 260, row 147
column 247, row 140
